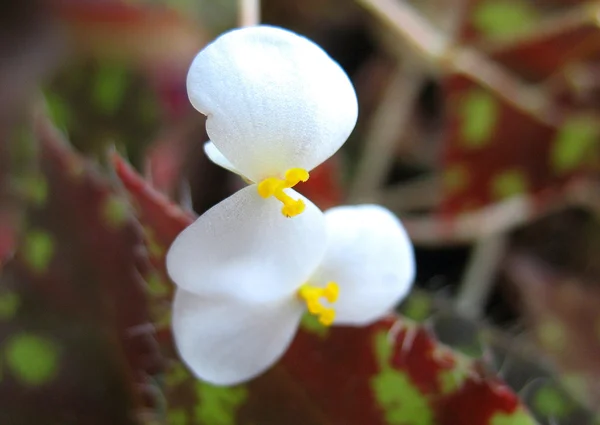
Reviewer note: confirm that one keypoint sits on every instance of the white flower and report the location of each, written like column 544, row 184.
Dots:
column 276, row 104
column 246, row 275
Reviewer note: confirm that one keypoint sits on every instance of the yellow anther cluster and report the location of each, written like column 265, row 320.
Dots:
column 274, row 186
column 311, row 295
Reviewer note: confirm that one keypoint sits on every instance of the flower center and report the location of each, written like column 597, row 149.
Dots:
column 274, row 186
column 310, row 295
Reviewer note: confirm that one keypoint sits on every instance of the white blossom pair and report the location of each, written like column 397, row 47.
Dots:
column 277, row 106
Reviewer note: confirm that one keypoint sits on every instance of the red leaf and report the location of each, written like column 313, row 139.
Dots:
column 507, row 152
column 77, row 337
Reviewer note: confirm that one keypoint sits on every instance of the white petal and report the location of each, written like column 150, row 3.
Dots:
column 245, row 245
column 218, row 158
column 230, row 341
column 370, row 257
column 273, row 100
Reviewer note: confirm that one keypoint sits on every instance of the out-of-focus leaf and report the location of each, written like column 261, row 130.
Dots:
column 147, row 35
column 19, row 184
column 493, row 151
column 562, row 38
column 104, row 103
column 537, row 58
column 502, row 18
column 29, row 47
column 75, row 337
column 510, row 21
column 127, row 79
column 392, row 372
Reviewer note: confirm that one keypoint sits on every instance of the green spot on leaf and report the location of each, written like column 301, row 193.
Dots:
column 508, row 184
column 162, row 318
column 502, row 18
column 401, row 400
column 115, row 211
column 518, row 417
column 455, row 178
column 109, row 88
column 451, row 380
column 574, row 144
column 9, row 304
column 311, row 324
column 33, row 188
column 32, row 359
column 157, row 285
column 218, row 405
column 417, row 307
column 38, row 250
column 550, row 402
column 479, row 114
column 383, row 349
column 155, row 249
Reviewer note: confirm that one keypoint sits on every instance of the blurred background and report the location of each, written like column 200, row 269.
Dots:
column 478, row 127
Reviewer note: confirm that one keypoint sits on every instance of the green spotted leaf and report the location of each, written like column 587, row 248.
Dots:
column 115, row 211
column 402, row 402
column 501, row 18
column 479, row 115
column 551, row 402
column 218, row 405
column 519, row 417
column 110, row 85
column 455, row 178
column 452, row 379
column 32, row 359
column 33, row 188
column 574, row 143
column 508, row 184
column 418, row 306
column 383, row 349
column 38, row 250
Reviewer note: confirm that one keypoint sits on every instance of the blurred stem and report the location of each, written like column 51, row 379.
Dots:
column 437, row 48
column 438, row 230
column 418, row 194
column 479, row 278
column 447, row 15
column 249, row 12
column 468, row 227
column 386, row 128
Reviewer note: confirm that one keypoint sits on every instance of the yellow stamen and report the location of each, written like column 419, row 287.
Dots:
column 310, row 295
column 274, row 186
